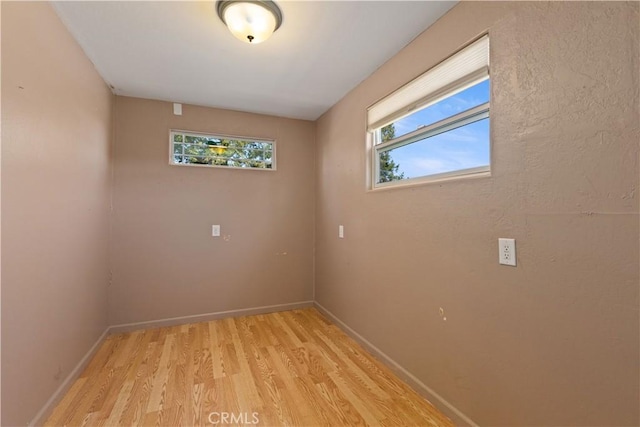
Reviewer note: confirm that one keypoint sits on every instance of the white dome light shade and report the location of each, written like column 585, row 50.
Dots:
column 250, row 21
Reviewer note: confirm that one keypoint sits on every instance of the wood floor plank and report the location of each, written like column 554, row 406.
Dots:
column 112, row 417
column 217, row 350
column 157, row 399
column 141, row 391
column 339, row 404
column 291, row 368
column 62, row 409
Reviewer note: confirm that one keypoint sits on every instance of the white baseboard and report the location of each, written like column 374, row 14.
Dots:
column 57, row 396
column 459, row 418
column 160, row 323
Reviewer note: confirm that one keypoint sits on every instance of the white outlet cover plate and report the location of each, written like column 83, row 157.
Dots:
column 507, row 252
column 215, row 230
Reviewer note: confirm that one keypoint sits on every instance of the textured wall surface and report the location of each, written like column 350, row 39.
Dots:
column 553, row 341
column 56, row 137
column 165, row 262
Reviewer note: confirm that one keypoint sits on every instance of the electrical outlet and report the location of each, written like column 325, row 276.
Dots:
column 215, row 230
column 341, row 231
column 507, row 251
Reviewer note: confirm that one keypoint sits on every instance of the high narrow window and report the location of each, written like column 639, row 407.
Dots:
column 196, row 149
column 436, row 126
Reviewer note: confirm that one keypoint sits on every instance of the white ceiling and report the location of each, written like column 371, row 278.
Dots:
column 182, row 52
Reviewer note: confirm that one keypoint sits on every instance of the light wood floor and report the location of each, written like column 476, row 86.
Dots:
column 290, row 368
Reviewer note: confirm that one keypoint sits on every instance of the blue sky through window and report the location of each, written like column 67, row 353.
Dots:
column 462, row 148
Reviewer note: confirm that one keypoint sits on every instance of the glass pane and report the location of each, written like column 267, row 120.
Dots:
column 237, row 163
column 461, row 101
column 255, row 154
column 197, row 160
column 200, row 140
column 195, row 150
column 218, row 151
column 220, row 161
column 233, row 143
column 458, row 149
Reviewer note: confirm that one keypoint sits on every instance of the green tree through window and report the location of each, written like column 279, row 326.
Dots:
column 388, row 167
column 213, row 150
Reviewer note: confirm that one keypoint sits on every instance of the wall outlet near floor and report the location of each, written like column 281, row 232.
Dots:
column 215, row 230
column 341, row 231
column 507, row 251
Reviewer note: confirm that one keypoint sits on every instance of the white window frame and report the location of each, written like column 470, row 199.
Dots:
column 185, row 133
column 466, row 68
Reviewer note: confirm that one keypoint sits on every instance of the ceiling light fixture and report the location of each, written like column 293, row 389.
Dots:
column 251, row 21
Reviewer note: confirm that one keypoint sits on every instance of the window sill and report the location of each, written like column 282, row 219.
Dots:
column 483, row 172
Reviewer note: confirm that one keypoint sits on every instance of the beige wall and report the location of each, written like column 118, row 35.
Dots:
column 56, row 133
column 551, row 342
column 555, row 340
column 165, row 262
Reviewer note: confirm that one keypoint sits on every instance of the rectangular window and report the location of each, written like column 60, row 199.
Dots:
column 197, row 149
column 436, row 126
